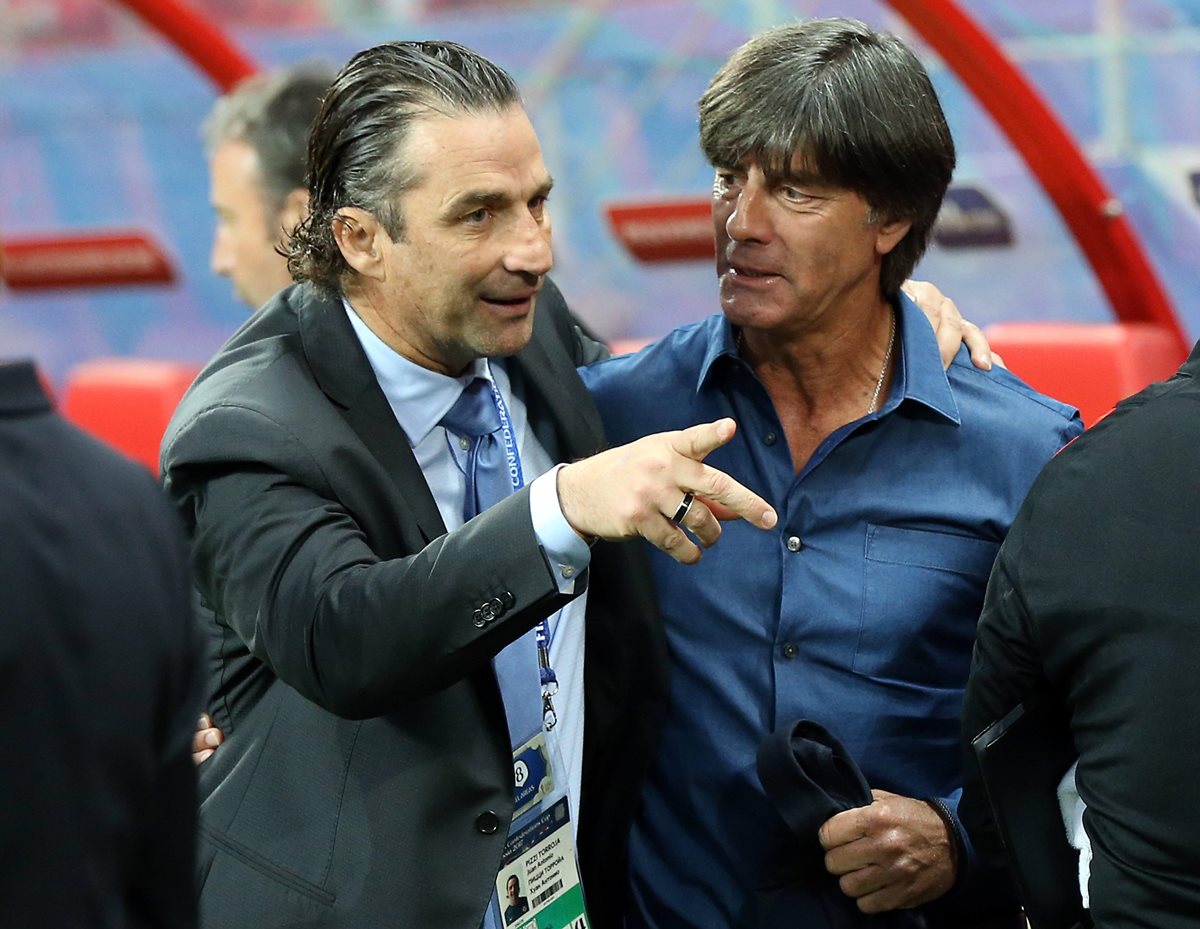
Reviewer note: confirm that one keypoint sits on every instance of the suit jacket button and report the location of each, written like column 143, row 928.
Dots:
column 508, row 599
column 486, row 612
column 480, row 622
column 487, row 823
column 497, row 606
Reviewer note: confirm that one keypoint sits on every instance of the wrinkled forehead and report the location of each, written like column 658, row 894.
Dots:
column 501, row 140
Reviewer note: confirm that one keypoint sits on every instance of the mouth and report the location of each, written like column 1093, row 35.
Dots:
column 517, row 301
column 748, row 274
column 510, row 308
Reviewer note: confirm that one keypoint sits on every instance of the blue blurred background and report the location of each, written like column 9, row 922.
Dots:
column 99, row 124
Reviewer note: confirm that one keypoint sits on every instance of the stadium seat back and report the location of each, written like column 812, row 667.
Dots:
column 1088, row 365
column 127, row 402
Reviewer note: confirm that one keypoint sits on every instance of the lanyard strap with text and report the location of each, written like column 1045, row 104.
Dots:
column 512, row 458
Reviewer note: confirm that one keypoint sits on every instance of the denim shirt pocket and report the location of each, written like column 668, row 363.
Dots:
column 922, row 593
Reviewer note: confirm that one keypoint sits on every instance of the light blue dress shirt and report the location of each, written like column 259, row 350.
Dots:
column 420, row 398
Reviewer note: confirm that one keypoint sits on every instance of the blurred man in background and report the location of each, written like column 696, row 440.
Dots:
column 255, row 138
column 99, row 681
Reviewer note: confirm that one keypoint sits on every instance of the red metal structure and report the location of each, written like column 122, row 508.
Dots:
column 1091, row 212
column 202, row 42
column 678, row 230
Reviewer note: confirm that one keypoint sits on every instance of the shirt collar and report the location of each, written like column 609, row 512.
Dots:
column 720, row 342
column 418, row 397
column 919, row 375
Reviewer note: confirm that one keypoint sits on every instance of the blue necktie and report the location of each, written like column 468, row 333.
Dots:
column 474, row 417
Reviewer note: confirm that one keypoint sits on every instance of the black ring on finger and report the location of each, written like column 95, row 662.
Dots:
column 684, row 506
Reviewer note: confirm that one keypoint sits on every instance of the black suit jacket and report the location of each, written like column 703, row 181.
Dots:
column 99, row 681
column 366, row 779
column 1092, row 616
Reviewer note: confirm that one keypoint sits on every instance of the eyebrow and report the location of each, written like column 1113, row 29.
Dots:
column 473, row 199
column 800, row 178
column 476, row 198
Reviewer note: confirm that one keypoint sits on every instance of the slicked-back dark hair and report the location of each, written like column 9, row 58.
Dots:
column 858, row 109
column 355, row 150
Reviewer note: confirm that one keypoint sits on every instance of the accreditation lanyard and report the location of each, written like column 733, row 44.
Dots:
column 512, row 458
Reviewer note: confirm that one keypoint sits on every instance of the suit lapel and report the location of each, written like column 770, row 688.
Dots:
column 344, row 374
column 561, row 411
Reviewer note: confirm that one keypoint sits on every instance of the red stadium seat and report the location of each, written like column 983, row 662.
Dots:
column 127, row 402
column 1089, row 365
column 628, row 346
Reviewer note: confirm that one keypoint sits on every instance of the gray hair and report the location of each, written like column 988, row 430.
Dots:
column 356, row 149
column 271, row 112
column 855, row 105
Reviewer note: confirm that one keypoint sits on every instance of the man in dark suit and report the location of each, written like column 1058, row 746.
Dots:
column 1092, row 621
column 99, row 685
column 356, row 645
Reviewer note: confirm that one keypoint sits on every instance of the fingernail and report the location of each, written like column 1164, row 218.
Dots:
column 212, row 738
column 769, row 519
column 204, row 722
column 204, row 755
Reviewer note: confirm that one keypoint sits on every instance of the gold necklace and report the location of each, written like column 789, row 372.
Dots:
column 887, row 357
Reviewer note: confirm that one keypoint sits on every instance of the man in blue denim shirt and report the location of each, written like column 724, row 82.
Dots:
column 895, row 481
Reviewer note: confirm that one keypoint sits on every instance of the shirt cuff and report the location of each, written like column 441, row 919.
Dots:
column 567, row 553
column 968, row 861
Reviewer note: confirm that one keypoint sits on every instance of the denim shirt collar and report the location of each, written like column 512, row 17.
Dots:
column 919, row 374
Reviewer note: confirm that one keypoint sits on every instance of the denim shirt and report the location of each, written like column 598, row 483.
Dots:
column 857, row 611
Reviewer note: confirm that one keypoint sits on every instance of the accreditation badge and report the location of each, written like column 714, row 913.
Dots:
column 533, row 775
column 538, row 884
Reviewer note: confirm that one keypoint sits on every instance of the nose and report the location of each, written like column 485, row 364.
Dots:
column 749, row 220
column 221, row 259
column 530, row 251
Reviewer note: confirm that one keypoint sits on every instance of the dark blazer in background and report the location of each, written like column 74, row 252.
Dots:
column 1093, row 616
column 366, row 777
column 99, row 684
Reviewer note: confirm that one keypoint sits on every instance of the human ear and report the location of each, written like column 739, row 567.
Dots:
column 889, row 233
column 359, row 237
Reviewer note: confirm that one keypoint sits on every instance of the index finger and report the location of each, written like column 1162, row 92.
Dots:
column 949, row 327
column 718, row 487
column 696, row 442
column 977, row 345
column 842, row 828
